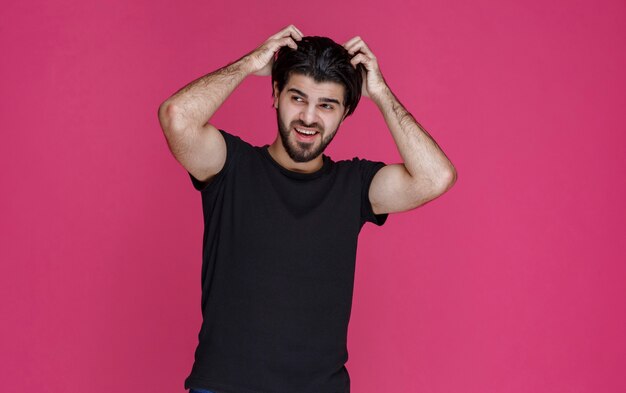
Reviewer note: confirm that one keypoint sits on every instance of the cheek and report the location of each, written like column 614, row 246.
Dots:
column 289, row 113
column 285, row 115
column 331, row 123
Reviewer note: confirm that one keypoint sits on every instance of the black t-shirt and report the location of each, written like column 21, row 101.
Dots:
column 278, row 266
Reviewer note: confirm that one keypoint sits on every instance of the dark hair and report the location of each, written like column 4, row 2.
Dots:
column 323, row 60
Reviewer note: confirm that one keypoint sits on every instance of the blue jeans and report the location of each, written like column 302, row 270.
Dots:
column 192, row 390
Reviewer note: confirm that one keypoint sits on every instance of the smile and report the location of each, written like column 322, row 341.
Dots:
column 304, row 135
column 304, row 131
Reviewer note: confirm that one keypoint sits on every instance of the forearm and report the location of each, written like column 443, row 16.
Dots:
column 196, row 103
column 422, row 156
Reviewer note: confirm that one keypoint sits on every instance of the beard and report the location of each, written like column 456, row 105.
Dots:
column 303, row 151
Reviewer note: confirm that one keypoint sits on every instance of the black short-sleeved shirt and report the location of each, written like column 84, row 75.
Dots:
column 278, row 266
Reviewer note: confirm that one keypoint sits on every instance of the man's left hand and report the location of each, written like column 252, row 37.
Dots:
column 373, row 82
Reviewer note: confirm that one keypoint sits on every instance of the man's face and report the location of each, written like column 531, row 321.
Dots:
column 305, row 105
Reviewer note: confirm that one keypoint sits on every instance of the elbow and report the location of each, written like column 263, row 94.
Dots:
column 165, row 109
column 448, row 179
column 451, row 178
column 169, row 117
column 452, row 175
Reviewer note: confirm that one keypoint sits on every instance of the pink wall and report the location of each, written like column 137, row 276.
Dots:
column 514, row 281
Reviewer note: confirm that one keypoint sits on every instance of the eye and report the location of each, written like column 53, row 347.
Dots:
column 296, row 98
column 327, row 106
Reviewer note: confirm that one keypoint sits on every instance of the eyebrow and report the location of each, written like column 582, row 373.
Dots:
column 323, row 99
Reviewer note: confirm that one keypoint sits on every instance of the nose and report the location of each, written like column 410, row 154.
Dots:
column 308, row 114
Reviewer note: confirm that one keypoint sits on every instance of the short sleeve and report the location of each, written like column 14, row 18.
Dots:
column 232, row 143
column 368, row 169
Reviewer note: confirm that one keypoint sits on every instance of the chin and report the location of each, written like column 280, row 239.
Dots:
column 297, row 153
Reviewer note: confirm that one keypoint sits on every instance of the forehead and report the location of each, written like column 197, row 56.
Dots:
column 315, row 90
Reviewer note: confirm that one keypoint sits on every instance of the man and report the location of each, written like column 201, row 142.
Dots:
column 282, row 220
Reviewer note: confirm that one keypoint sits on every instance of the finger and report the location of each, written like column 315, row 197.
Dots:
column 351, row 41
column 367, row 63
column 354, row 48
column 359, row 58
column 286, row 31
column 279, row 34
column 359, row 47
column 292, row 31
column 289, row 42
column 366, row 49
column 362, row 47
column 299, row 32
column 296, row 35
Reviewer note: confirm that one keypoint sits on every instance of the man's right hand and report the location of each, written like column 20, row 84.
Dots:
column 261, row 60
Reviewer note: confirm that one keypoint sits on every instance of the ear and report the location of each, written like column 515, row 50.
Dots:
column 276, row 93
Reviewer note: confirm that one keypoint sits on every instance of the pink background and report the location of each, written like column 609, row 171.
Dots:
column 513, row 281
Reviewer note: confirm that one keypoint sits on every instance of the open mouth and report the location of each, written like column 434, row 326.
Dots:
column 305, row 134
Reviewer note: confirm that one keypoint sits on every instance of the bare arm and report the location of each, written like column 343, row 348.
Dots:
column 197, row 145
column 184, row 117
column 426, row 172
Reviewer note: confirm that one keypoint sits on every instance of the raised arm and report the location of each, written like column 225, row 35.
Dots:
column 184, row 117
column 426, row 172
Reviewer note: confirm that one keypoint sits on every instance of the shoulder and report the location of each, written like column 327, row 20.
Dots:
column 363, row 171
column 233, row 139
column 236, row 146
column 237, row 150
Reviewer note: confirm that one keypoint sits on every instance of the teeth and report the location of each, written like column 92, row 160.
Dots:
column 306, row 132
